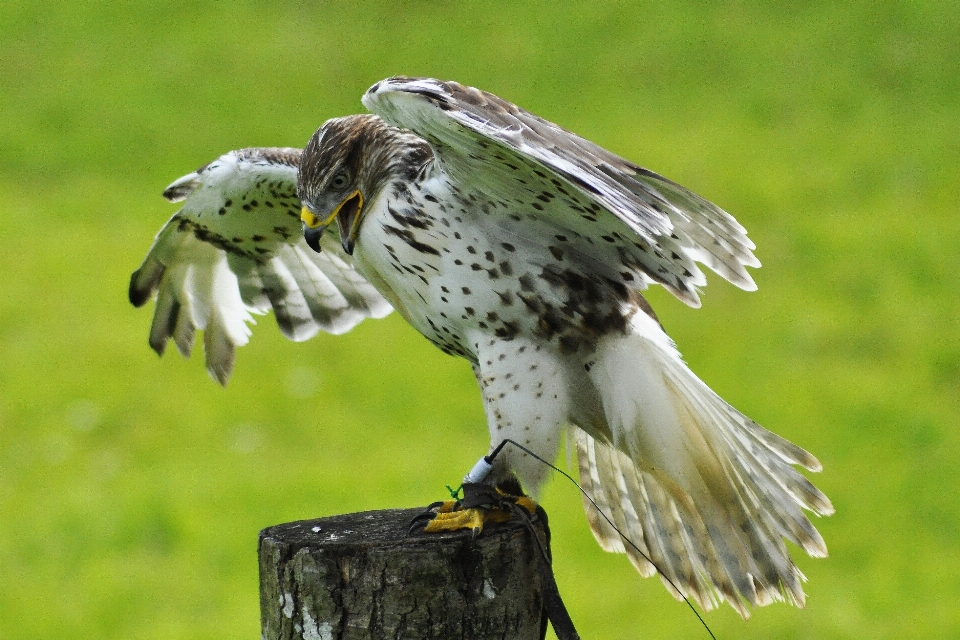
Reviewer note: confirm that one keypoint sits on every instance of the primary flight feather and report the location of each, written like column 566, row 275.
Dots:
column 523, row 248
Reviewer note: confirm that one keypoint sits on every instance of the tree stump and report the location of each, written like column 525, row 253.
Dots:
column 361, row 577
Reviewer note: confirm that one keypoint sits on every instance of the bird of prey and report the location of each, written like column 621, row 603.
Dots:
column 522, row 248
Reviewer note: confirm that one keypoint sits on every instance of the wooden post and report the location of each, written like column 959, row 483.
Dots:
column 360, row 577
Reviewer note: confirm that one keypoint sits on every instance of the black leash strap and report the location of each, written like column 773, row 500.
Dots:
column 477, row 495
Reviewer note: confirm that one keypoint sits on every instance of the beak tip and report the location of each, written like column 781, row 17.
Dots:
column 312, row 237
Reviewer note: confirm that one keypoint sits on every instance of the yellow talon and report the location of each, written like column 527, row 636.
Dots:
column 449, row 518
column 447, row 507
column 455, row 520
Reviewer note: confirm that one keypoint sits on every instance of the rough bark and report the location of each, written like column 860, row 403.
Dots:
column 360, row 577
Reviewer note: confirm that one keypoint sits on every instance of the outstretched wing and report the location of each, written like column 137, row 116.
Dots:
column 236, row 248
column 659, row 228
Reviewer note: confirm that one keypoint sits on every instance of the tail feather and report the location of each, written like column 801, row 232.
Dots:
column 750, row 439
column 749, row 462
column 606, row 536
column 707, row 494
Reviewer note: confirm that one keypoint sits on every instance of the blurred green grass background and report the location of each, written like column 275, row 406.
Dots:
column 132, row 489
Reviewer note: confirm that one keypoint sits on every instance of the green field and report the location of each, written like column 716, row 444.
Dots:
column 132, row 488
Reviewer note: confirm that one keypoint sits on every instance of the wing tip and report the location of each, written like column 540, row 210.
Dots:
column 143, row 284
column 687, row 295
column 158, row 346
column 745, row 282
column 178, row 190
column 137, row 295
column 435, row 90
column 220, row 372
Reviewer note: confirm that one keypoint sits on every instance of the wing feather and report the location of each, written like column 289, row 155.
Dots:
column 660, row 228
column 288, row 300
column 235, row 249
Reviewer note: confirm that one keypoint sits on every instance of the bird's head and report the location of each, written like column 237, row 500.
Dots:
column 346, row 164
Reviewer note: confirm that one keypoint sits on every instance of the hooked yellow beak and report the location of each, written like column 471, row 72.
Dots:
column 312, row 221
column 347, row 215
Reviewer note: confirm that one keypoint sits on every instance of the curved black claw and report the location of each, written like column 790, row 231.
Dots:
column 425, row 516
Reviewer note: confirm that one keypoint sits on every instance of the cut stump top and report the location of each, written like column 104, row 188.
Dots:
column 359, row 576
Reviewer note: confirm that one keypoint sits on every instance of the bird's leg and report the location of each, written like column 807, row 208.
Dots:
column 519, row 374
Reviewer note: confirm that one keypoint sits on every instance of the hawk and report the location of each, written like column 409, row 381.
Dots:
column 522, row 248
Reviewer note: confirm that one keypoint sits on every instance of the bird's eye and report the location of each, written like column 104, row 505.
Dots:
column 339, row 181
